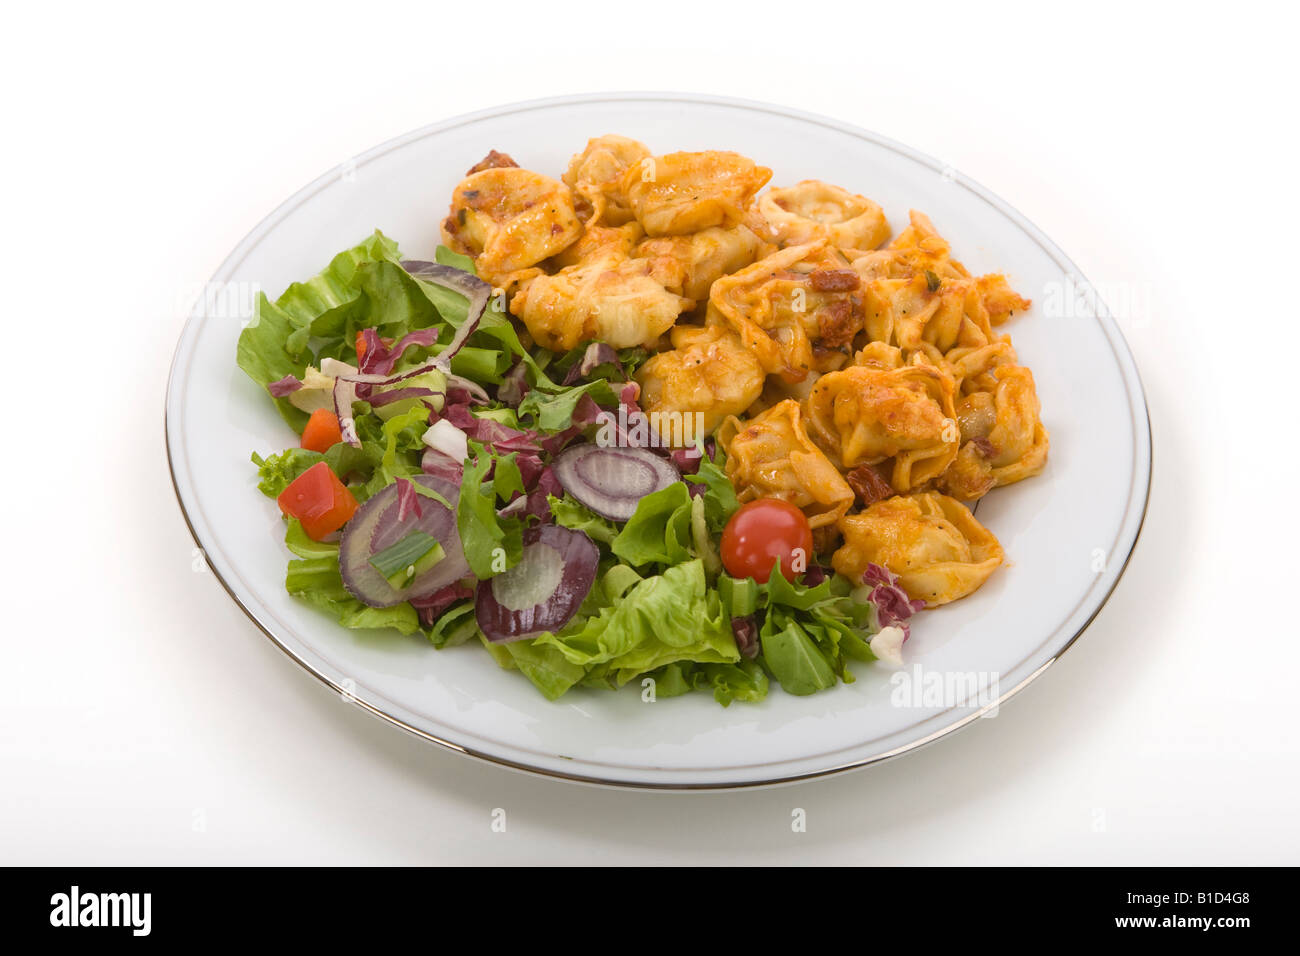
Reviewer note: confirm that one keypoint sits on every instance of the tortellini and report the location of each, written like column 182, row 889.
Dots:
column 680, row 193
column 813, row 210
column 917, row 297
column 510, row 219
column 1003, row 440
column 798, row 309
column 708, row 255
column 866, row 383
column 771, row 456
column 596, row 176
column 865, row 416
column 610, row 298
column 598, row 241
column 932, row 542
column 708, row 372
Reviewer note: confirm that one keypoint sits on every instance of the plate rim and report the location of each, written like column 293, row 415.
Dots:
column 1123, row 353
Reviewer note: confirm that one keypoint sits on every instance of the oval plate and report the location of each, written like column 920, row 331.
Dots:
column 1068, row 533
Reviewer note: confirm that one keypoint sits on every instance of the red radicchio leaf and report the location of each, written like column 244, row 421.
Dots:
column 380, row 359
column 596, row 355
column 745, row 630
column 514, row 386
column 408, row 500
column 687, row 460
column 436, row 463
column 430, row 608
column 285, row 386
column 893, row 606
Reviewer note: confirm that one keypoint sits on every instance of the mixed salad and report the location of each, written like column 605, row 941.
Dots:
column 452, row 479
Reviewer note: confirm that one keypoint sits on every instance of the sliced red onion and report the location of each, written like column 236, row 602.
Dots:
column 382, row 522
column 612, row 481
column 543, row 591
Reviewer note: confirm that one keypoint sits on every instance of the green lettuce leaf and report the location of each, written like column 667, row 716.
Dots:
column 486, row 536
column 572, row 514
column 794, row 657
column 743, row 681
column 720, row 501
column 659, row 532
column 326, row 308
column 670, row 617
column 552, row 409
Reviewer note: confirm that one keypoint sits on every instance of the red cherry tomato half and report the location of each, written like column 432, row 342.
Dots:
column 762, row 532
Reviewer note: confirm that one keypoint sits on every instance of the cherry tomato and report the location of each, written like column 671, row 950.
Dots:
column 763, row 531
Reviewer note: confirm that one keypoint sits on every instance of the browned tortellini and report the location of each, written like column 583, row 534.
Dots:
column 879, row 355
column 972, row 369
column 510, row 219
column 597, row 241
column 596, row 177
column 708, row 372
column 608, row 298
column 798, row 309
column 771, row 456
column 1003, row 439
column 916, row 296
column 680, row 193
column 813, row 210
column 866, row 416
column 708, row 255
column 932, row 542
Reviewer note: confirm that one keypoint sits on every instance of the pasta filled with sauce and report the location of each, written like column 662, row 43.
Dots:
column 813, row 210
column 864, row 416
column 864, row 380
column 771, row 456
column 931, row 541
column 798, row 309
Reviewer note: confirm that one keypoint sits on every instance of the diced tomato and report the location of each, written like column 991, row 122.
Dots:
column 322, row 432
column 319, row 500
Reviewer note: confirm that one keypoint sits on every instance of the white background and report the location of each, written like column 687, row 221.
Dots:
column 144, row 720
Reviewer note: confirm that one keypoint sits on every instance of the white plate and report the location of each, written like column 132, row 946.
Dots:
column 1068, row 532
